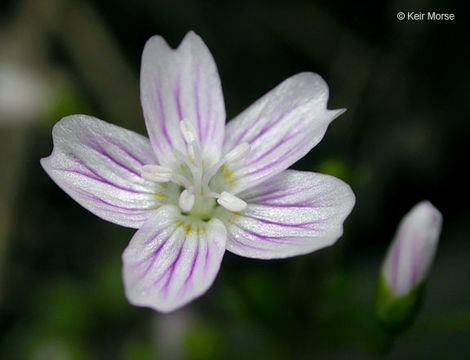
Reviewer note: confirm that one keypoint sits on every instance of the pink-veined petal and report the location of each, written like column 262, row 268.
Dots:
column 291, row 214
column 281, row 128
column 169, row 263
column 98, row 165
column 181, row 84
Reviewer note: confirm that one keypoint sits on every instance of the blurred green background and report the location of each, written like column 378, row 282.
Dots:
column 403, row 139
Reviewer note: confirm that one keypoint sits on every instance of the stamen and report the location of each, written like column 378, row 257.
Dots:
column 231, row 202
column 186, row 200
column 211, row 194
column 196, row 153
column 238, row 153
column 181, row 180
column 189, row 131
column 184, row 159
column 156, row 173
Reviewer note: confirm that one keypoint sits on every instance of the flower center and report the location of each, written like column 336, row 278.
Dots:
column 195, row 178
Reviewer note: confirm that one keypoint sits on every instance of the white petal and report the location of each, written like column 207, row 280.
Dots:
column 181, row 84
column 281, row 128
column 293, row 213
column 99, row 166
column 412, row 251
column 167, row 263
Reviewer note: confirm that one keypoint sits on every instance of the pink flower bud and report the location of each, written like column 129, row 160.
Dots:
column 412, row 251
column 400, row 290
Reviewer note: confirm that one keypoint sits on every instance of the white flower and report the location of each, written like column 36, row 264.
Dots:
column 197, row 188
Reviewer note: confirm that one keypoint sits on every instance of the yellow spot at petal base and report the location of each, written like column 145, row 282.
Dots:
column 229, row 174
column 160, row 195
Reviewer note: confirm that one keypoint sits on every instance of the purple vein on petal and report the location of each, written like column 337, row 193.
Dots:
column 157, row 250
column 154, row 254
column 163, row 117
column 414, row 265
column 235, row 240
column 209, row 117
column 266, row 129
column 92, row 175
column 162, row 276
column 97, row 177
column 396, row 263
column 197, row 102
column 152, row 238
column 306, row 225
column 289, row 206
column 268, row 152
column 124, row 150
column 248, row 128
column 272, row 239
column 274, row 164
column 98, row 149
column 104, row 202
column 207, row 257
column 193, row 265
column 272, row 124
column 172, row 269
column 177, row 97
column 267, row 198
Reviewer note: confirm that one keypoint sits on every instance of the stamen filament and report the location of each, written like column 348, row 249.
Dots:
column 181, row 180
column 239, row 152
column 198, row 170
column 184, row 159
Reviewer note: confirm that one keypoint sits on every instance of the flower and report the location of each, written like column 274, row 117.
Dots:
column 407, row 264
column 197, row 188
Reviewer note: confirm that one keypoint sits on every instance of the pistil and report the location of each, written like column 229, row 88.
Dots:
column 197, row 198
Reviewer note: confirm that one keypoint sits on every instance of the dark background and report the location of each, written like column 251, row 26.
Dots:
column 403, row 139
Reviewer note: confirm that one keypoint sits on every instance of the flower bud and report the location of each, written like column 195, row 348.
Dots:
column 405, row 269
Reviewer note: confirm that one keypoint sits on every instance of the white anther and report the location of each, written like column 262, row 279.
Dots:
column 156, row 173
column 231, row 202
column 238, row 153
column 186, row 200
column 188, row 130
